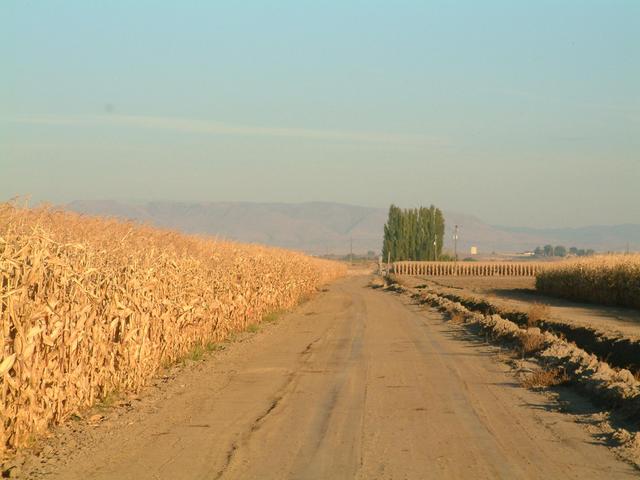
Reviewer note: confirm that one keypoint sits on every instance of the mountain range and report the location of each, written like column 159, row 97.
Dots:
column 323, row 227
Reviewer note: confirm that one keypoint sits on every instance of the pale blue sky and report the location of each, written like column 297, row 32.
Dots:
column 522, row 113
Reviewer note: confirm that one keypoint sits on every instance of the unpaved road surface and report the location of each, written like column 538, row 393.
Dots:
column 356, row 383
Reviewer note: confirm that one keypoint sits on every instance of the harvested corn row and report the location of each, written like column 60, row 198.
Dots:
column 469, row 269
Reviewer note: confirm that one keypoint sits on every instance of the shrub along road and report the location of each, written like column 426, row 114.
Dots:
column 355, row 383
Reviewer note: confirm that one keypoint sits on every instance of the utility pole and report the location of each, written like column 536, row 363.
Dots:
column 351, row 251
column 435, row 235
column 435, row 251
column 455, row 243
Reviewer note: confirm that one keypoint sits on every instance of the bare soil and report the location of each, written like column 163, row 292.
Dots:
column 356, row 383
column 518, row 293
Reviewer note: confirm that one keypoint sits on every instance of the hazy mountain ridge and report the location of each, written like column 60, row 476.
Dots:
column 321, row 227
column 610, row 237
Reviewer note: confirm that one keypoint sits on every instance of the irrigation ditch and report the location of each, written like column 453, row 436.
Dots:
column 617, row 352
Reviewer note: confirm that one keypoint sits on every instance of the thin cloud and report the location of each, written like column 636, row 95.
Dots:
column 217, row 128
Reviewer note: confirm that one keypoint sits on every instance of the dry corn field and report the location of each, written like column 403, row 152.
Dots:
column 605, row 279
column 90, row 306
column 469, row 269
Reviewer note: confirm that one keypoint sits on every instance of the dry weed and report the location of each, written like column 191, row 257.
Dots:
column 546, row 378
column 537, row 313
column 531, row 341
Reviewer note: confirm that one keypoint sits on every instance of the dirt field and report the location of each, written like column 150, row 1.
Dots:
column 356, row 383
column 518, row 293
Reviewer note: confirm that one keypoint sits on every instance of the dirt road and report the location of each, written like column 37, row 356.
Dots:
column 355, row 384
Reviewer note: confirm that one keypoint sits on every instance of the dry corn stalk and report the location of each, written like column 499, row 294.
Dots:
column 606, row 279
column 92, row 305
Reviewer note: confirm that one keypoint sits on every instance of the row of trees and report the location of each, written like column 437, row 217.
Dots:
column 413, row 234
column 561, row 251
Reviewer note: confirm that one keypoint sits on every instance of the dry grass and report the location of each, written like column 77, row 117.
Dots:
column 537, row 312
column 91, row 306
column 531, row 341
column 545, row 378
column 457, row 318
column 605, row 279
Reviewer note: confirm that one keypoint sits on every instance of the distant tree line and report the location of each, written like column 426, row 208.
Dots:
column 413, row 234
column 561, row 251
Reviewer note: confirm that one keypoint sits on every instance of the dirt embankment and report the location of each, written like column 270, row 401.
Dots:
column 612, row 334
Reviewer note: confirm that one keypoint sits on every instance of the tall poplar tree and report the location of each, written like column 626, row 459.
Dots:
column 413, row 234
